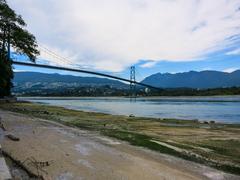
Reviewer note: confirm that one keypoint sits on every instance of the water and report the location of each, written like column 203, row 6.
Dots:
column 219, row 108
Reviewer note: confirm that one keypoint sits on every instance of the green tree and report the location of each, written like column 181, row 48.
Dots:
column 13, row 34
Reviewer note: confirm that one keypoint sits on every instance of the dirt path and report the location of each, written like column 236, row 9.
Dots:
column 80, row 154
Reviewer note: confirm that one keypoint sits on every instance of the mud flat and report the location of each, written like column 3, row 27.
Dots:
column 56, row 143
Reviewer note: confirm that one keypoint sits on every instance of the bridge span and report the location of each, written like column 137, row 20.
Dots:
column 82, row 71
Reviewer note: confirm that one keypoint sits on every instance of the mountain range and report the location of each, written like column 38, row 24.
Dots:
column 193, row 79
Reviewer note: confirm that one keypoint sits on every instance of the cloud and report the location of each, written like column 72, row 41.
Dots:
column 234, row 52
column 207, row 69
column 114, row 34
column 148, row 64
column 19, row 70
column 229, row 70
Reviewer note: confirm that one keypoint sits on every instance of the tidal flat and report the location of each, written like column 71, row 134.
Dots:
column 213, row 144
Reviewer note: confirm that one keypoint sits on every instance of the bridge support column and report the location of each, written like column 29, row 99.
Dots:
column 132, row 82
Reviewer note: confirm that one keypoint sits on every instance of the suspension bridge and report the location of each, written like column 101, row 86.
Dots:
column 61, row 60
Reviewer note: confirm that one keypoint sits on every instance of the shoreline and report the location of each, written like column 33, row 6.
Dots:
column 190, row 109
column 73, row 153
column 168, row 136
column 127, row 97
column 155, row 118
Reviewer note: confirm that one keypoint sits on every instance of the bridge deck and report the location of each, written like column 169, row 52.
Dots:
column 82, row 71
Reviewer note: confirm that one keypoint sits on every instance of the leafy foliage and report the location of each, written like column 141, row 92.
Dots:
column 12, row 33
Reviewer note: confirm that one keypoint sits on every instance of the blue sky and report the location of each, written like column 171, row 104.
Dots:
column 154, row 35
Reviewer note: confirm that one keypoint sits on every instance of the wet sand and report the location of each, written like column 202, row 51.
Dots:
column 79, row 154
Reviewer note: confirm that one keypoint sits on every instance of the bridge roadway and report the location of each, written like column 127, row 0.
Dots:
column 82, row 71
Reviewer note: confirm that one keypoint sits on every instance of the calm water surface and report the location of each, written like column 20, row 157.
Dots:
column 219, row 108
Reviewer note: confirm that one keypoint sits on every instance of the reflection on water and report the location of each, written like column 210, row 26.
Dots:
column 224, row 109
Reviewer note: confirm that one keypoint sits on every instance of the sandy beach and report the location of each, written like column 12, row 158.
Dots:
column 79, row 154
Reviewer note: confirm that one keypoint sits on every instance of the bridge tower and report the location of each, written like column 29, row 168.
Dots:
column 132, row 83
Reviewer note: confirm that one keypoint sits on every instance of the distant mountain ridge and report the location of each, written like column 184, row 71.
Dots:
column 191, row 79
column 28, row 79
column 194, row 79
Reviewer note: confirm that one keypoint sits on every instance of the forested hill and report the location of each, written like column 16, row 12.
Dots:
column 30, row 79
column 193, row 79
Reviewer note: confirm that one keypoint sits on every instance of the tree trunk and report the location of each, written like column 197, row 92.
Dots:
column 6, row 75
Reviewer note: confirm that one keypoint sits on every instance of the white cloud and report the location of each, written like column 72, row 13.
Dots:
column 148, row 64
column 113, row 34
column 18, row 70
column 207, row 69
column 229, row 70
column 234, row 52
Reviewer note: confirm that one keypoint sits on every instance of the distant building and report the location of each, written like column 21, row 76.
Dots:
column 147, row 90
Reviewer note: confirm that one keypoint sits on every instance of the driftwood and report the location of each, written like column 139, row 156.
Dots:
column 12, row 137
column 1, row 125
column 39, row 165
column 22, row 166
